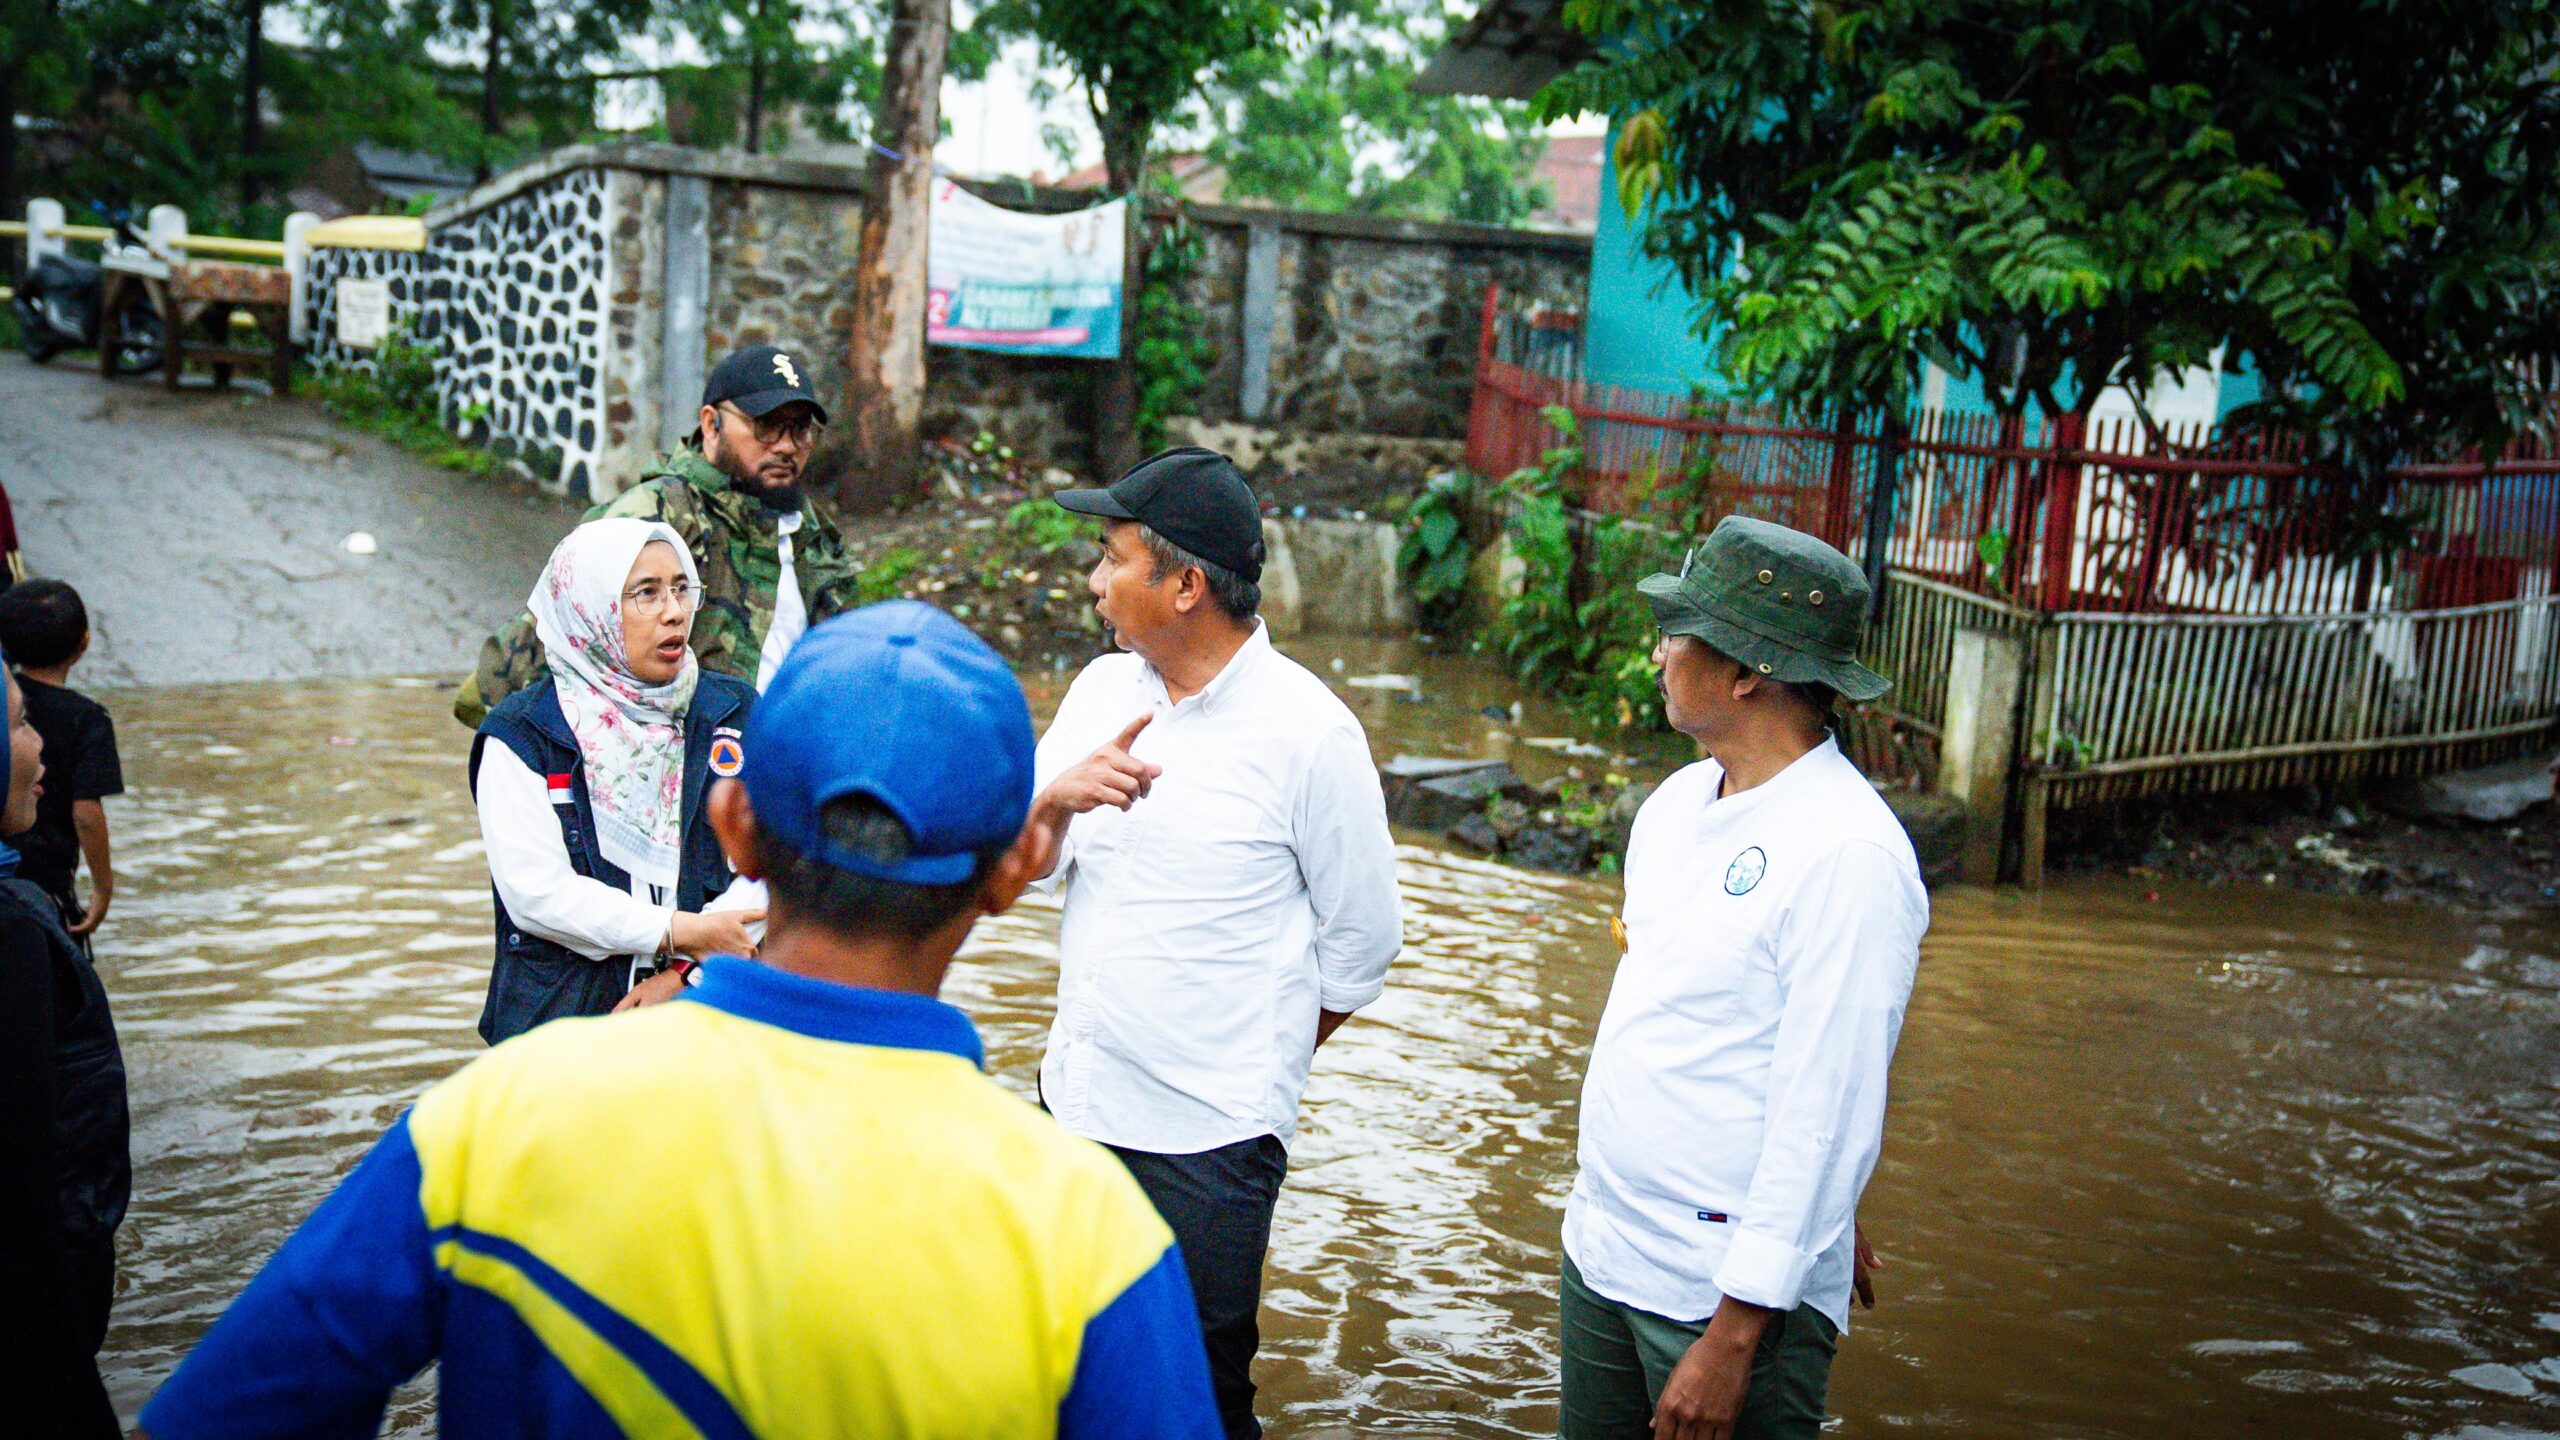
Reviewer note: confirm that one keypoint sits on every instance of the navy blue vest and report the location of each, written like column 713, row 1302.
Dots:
column 534, row 979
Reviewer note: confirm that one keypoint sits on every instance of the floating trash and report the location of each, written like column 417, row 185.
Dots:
column 1411, row 684
column 1566, row 745
column 360, row 542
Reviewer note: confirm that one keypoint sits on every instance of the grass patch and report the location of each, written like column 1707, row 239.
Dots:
column 886, row 577
column 397, row 401
column 1051, row 528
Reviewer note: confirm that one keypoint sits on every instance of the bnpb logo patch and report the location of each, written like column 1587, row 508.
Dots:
column 728, row 757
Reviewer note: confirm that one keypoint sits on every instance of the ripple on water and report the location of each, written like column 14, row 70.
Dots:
column 2183, row 1166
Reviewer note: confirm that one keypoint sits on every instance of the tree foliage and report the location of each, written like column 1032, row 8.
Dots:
column 2357, row 198
column 1137, row 61
column 1325, row 118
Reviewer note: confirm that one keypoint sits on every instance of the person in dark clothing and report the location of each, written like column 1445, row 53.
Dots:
column 45, row 630
column 65, row 1172
column 590, row 786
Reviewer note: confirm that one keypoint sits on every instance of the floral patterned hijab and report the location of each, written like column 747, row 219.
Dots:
column 630, row 734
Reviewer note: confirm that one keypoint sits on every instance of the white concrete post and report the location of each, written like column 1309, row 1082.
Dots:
column 44, row 230
column 1980, row 743
column 297, row 268
column 161, row 232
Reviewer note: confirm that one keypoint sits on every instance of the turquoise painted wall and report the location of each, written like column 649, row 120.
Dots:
column 1637, row 331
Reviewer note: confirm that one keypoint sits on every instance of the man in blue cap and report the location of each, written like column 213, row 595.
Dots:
column 786, row 1204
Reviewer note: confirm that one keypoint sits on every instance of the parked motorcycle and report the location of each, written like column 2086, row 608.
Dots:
column 57, row 307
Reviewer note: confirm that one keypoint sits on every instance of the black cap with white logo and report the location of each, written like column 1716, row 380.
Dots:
column 760, row 380
column 1193, row 497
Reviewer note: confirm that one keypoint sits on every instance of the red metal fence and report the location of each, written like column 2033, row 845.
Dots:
column 2065, row 515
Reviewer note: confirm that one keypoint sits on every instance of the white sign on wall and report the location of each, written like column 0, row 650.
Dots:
column 364, row 313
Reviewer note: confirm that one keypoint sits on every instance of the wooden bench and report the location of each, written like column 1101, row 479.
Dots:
column 196, row 304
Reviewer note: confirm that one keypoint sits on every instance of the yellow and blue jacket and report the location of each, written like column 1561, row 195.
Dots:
column 780, row 1207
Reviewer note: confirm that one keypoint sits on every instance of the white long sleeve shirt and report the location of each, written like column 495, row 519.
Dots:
column 1206, row 925
column 1735, row 1101
column 544, row 894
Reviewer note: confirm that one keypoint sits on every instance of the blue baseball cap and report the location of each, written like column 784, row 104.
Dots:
column 902, row 703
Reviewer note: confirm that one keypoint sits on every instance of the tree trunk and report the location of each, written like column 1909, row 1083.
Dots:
column 11, row 207
column 755, row 81
column 489, row 68
column 884, row 388
column 253, row 123
column 1115, row 401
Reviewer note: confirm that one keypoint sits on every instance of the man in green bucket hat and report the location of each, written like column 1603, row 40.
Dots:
column 1734, row 1102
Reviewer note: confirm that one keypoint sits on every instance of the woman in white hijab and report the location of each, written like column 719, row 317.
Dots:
column 606, row 872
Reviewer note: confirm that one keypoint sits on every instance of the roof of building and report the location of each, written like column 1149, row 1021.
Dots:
column 407, row 174
column 1201, row 178
column 1571, row 168
column 1509, row 51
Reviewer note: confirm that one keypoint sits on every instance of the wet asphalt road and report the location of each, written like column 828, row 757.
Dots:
column 206, row 533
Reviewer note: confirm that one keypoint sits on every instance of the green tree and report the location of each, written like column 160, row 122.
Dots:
column 813, row 60
column 533, row 65
column 1326, row 119
column 2359, row 199
column 1139, row 63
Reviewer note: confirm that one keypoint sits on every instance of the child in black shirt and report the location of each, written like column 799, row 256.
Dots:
column 45, row 630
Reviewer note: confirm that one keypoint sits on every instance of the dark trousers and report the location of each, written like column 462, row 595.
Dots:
column 81, row 1408
column 1218, row 1203
column 1617, row 1358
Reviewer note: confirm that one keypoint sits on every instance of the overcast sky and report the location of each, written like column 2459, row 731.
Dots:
column 995, row 129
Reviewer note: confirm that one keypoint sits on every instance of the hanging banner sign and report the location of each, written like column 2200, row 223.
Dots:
column 1024, row 284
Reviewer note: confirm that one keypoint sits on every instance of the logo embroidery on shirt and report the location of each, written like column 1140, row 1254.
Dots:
column 1714, row 1217
column 1745, row 871
column 728, row 757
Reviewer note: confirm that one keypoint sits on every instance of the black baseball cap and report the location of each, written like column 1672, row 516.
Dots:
column 760, row 380
column 1193, row 497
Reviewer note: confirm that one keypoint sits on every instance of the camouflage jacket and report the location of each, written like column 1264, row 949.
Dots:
column 734, row 546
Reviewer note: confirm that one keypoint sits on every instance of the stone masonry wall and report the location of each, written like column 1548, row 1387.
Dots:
column 635, row 311
column 782, row 274
column 1373, row 322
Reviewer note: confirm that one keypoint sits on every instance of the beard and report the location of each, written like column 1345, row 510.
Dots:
column 782, row 495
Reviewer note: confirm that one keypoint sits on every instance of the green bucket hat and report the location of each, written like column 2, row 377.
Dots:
column 1775, row 599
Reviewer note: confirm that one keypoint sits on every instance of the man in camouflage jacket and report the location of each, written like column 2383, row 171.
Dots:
column 730, row 492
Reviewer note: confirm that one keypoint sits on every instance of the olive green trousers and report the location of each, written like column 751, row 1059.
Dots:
column 1617, row 1359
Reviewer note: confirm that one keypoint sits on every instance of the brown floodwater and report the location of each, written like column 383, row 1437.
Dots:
column 2215, row 1163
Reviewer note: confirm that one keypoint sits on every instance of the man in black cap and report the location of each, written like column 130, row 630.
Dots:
column 1212, row 811
column 772, row 560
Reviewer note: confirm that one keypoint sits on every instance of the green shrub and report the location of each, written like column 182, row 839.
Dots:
column 1050, row 528
column 1432, row 557
column 1595, row 654
column 885, row 578
column 397, row 401
column 1170, row 350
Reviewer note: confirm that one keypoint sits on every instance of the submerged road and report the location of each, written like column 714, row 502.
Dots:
column 206, row 532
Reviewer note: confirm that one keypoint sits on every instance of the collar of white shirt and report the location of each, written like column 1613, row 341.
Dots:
column 1225, row 683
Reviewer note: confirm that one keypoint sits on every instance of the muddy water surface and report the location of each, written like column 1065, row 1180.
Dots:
column 2209, row 1164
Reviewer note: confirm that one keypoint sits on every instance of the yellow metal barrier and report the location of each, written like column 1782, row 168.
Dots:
column 369, row 232
column 200, row 244
column 229, row 245
column 67, row 232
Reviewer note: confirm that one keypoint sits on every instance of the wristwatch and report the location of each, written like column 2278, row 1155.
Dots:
column 687, row 970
